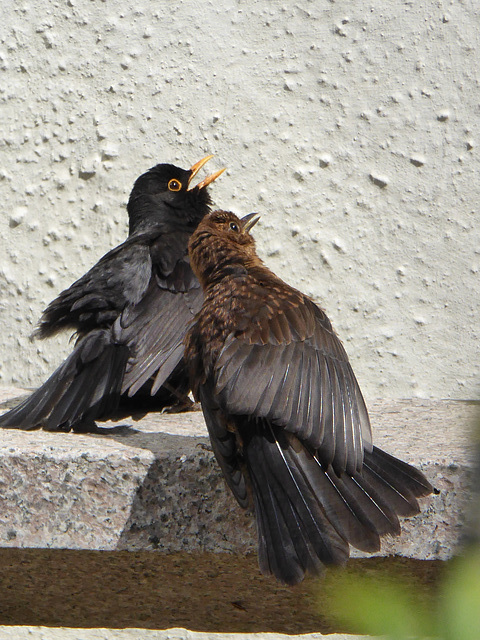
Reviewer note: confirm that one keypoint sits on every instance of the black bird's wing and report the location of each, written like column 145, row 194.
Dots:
column 287, row 365
column 95, row 300
column 155, row 328
column 145, row 305
column 86, row 386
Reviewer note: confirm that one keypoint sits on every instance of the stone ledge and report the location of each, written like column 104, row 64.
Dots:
column 154, row 483
column 63, row 633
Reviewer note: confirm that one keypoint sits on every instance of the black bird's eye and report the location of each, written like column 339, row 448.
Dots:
column 233, row 226
column 174, row 185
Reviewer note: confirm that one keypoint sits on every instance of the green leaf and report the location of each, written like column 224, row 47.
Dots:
column 377, row 606
column 460, row 599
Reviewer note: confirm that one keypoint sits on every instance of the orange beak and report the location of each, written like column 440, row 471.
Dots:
column 196, row 168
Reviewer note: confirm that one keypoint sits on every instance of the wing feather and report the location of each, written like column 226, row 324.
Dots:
column 155, row 330
column 290, row 367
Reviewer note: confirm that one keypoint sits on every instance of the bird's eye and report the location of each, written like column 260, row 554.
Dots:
column 233, row 226
column 174, row 185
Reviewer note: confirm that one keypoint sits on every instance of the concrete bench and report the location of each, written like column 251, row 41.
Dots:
column 154, row 483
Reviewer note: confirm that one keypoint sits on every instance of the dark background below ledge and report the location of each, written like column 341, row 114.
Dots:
column 214, row 592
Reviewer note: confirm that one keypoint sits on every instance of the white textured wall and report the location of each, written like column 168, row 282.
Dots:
column 352, row 127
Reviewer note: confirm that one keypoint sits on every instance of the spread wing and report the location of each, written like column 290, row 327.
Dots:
column 145, row 290
column 287, row 365
column 155, row 328
column 96, row 299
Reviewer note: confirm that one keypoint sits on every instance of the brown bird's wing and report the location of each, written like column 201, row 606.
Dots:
column 223, row 435
column 286, row 364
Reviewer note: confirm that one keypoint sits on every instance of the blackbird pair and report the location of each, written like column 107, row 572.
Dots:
column 285, row 415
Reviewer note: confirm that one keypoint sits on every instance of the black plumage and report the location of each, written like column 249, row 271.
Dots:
column 130, row 312
column 286, row 417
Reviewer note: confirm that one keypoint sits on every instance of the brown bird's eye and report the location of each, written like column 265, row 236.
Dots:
column 233, row 226
column 174, row 185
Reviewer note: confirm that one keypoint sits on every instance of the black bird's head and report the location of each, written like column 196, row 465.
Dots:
column 163, row 197
column 221, row 243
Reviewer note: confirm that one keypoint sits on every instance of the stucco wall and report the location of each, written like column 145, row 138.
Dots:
column 351, row 127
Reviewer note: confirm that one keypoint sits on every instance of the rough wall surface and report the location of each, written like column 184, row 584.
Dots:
column 351, row 127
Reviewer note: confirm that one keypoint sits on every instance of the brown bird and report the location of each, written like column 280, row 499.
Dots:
column 286, row 417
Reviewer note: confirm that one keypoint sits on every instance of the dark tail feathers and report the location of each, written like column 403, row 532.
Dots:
column 85, row 387
column 307, row 515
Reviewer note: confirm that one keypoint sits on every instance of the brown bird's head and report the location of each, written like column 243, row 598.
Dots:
column 221, row 241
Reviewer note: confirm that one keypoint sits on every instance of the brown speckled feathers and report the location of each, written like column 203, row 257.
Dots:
column 285, row 414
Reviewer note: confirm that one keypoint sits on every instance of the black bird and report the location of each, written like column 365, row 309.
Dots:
column 130, row 312
column 286, row 417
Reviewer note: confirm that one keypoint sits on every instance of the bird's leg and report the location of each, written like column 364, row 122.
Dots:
column 183, row 403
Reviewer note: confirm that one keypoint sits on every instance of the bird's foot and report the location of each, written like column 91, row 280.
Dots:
column 206, row 446
column 182, row 405
column 86, row 426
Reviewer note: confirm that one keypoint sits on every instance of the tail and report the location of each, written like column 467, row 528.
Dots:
column 308, row 515
column 86, row 386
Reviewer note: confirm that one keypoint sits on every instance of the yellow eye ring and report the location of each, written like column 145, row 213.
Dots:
column 174, row 185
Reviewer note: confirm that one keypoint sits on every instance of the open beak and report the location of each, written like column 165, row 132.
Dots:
column 249, row 221
column 210, row 178
column 194, row 169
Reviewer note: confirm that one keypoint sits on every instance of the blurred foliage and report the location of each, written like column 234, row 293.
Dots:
column 395, row 607
column 459, row 603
